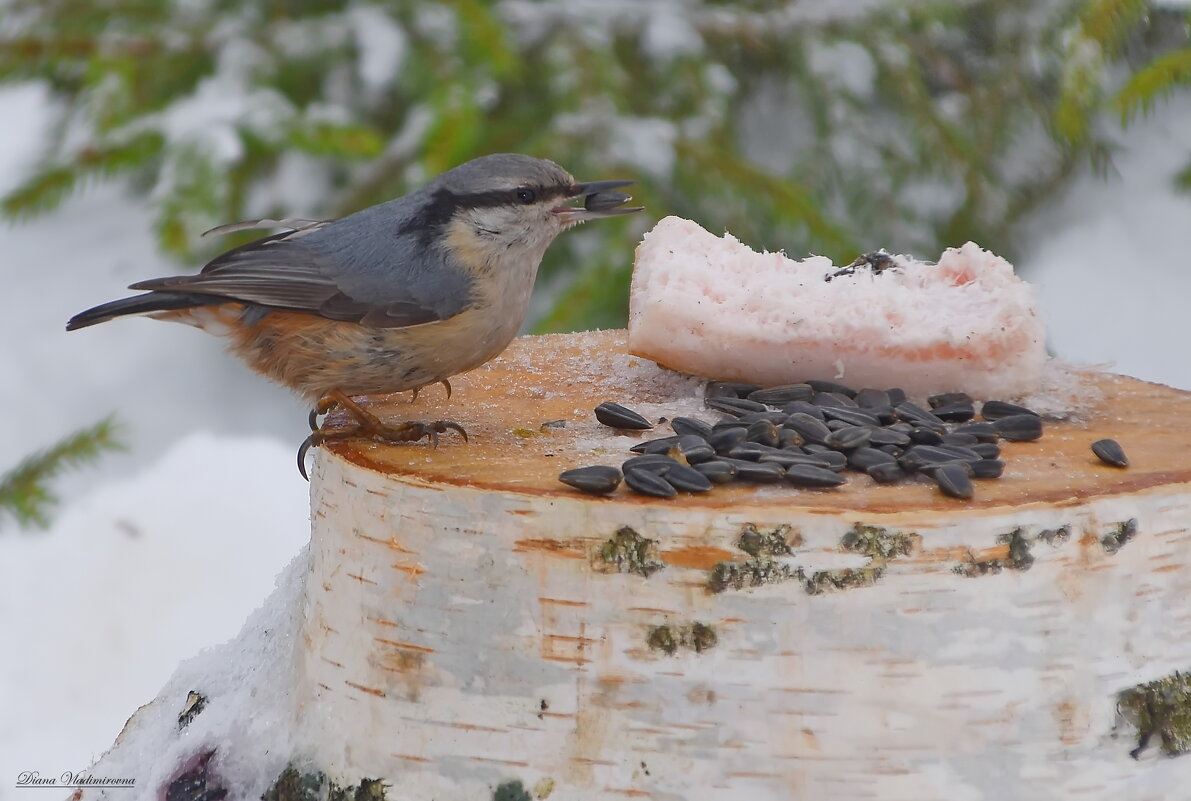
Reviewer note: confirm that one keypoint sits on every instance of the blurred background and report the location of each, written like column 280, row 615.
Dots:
column 1056, row 133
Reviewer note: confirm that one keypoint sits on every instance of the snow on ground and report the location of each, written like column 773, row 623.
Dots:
column 133, row 578
column 164, row 550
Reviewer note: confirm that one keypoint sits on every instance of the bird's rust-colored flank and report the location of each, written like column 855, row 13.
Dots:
column 552, row 378
column 289, row 347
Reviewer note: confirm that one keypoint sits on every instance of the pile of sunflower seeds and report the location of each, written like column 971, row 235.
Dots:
column 810, row 434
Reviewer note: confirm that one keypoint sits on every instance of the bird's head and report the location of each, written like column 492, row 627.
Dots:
column 519, row 203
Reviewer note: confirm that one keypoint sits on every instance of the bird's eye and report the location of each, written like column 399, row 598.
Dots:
column 526, row 195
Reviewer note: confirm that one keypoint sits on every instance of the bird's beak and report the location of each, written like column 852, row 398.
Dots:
column 599, row 200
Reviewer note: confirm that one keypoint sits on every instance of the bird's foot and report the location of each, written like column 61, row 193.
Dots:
column 367, row 426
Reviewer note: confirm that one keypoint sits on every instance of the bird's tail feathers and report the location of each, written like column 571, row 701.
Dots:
column 141, row 304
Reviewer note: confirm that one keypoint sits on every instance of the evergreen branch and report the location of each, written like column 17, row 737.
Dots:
column 792, row 199
column 1078, row 94
column 1102, row 28
column 1160, row 77
column 1107, row 22
column 1182, row 179
column 46, row 190
column 337, row 140
column 24, row 494
column 43, row 192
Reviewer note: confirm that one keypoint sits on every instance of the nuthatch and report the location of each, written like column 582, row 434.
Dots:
column 398, row 296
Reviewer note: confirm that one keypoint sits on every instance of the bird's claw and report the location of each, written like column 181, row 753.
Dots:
column 323, row 406
column 391, row 435
column 306, row 445
column 442, row 427
column 417, row 390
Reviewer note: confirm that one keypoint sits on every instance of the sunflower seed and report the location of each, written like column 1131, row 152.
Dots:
column 780, row 396
column 854, row 417
column 811, row 429
column 896, row 395
column 751, row 451
column 803, row 407
column 953, row 480
column 948, row 398
column 888, row 436
column 872, row 399
column 694, row 448
column 689, row 425
column 863, row 458
column 987, row 468
column 922, row 435
column 982, row 431
column 653, row 462
column 734, row 406
column 836, row 399
column 966, row 440
column 834, row 460
column 614, row 415
column 777, row 418
column 597, row 479
column 787, row 458
column 1110, row 452
column 726, row 439
column 914, row 414
column 845, row 439
column 758, row 472
column 763, row 432
column 994, row 410
column 1019, row 427
column 648, row 483
column 655, row 445
column 602, row 201
column 789, row 438
column 931, row 468
column 886, row 472
column 920, row 457
column 687, row 479
column 986, row 450
column 947, row 453
column 961, row 452
column 806, row 475
column 956, row 412
column 728, row 389
column 831, row 386
column 720, row 472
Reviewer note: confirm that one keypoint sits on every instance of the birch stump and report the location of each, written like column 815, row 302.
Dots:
column 474, row 629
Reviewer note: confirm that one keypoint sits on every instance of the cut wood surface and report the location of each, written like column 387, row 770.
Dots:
column 507, row 406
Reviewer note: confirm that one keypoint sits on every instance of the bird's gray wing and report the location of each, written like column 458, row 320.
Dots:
column 354, row 274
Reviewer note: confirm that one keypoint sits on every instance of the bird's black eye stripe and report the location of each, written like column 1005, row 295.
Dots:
column 523, row 195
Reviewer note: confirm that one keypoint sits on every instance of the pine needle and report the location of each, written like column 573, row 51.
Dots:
column 24, row 492
column 1161, row 77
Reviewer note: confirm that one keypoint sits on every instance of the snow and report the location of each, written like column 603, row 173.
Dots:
column 382, row 46
column 134, row 577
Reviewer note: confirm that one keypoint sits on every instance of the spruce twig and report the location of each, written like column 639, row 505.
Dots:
column 25, row 495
